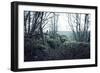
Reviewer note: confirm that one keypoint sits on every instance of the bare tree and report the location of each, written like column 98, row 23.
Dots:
column 35, row 23
column 26, row 18
column 86, row 27
column 29, row 20
column 80, row 30
column 54, row 22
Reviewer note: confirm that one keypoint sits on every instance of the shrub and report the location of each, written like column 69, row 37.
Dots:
column 79, row 50
column 63, row 38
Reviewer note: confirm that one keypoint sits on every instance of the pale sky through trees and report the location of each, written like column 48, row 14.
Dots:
column 63, row 24
column 63, row 21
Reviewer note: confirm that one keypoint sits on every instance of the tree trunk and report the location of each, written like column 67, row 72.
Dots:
column 41, row 30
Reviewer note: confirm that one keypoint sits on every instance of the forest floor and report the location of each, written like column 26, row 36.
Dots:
column 55, row 50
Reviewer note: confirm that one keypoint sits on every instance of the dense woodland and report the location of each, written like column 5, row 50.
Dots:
column 43, row 41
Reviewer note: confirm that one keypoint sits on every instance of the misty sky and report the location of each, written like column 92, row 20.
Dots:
column 63, row 24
